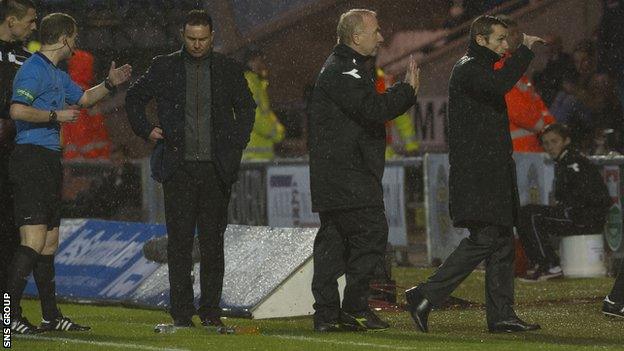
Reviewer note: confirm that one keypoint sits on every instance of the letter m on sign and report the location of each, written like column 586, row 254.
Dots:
column 424, row 116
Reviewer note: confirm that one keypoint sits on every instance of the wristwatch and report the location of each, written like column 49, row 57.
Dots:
column 53, row 117
column 108, row 85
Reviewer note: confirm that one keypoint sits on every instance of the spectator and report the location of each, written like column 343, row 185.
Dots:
column 604, row 108
column 582, row 201
column 569, row 110
column 267, row 130
column 584, row 58
column 527, row 113
column 559, row 66
column 611, row 42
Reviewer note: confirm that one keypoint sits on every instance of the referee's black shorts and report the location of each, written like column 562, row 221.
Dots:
column 37, row 175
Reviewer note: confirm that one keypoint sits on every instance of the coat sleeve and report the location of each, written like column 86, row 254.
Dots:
column 358, row 99
column 244, row 106
column 140, row 93
column 497, row 82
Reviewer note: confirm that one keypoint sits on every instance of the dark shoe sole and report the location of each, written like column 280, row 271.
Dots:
column 411, row 306
column 512, row 331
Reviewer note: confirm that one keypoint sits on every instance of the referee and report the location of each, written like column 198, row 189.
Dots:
column 40, row 94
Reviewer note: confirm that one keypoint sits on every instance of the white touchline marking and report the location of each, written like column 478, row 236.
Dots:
column 99, row 343
column 350, row 343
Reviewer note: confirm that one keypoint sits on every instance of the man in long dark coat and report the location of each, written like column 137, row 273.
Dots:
column 482, row 180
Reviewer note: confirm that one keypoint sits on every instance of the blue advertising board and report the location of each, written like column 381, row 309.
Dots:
column 101, row 260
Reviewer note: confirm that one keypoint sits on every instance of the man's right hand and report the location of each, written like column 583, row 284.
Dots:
column 412, row 75
column 156, row 134
column 67, row 116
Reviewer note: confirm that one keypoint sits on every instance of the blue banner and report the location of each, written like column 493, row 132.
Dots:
column 101, row 260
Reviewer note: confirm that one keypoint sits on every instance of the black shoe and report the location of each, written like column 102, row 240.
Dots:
column 323, row 326
column 210, row 322
column 364, row 320
column 513, row 325
column 183, row 323
column 418, row 307
column 62, row 324
column 612, row 309
column 541, row 274
column 21, row 325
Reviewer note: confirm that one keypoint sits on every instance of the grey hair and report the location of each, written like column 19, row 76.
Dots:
column 350, row 23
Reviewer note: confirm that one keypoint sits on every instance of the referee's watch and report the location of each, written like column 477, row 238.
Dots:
column 109, row 86
column 53, row 118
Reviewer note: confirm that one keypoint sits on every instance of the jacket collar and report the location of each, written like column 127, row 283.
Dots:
column 185, row 55
column 563, row 155
column 482, row 54
column 345, row 51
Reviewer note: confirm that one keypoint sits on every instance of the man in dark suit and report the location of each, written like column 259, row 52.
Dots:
column 206, row 114
column 482, row 179
column 347, row 150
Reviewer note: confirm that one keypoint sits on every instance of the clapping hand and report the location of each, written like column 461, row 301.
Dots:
column 529, row 40
column 412, row 75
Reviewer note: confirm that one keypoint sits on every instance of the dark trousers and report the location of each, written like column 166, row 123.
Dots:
column 491, row 243
column 538, row 224
column 9, row 233
column 617, row 292
column 350, row 242
column 195, row 198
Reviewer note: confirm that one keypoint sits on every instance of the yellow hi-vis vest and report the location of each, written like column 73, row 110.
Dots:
column 267, row 130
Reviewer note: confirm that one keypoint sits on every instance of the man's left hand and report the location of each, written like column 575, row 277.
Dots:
column 529, row 40
column 119, row 75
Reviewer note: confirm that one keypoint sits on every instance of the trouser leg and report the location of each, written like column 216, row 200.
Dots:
column 9, row 232
column 499, row 274
column 181, row 215
column 479, row 245
column 329, row 264
column 538, row 224
column 214, row 197
column 617, row 292
column 366, row 233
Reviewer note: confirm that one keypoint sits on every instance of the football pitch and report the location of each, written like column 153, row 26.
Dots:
column 568, row 310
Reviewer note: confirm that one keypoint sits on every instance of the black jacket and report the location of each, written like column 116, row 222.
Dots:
column 579, row 189
column 12, row 56
column 482, row 175
column 346, row 129
column 233, row 111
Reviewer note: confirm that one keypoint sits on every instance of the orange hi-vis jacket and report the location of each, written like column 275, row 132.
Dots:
column 87, row 137
column 528, row 114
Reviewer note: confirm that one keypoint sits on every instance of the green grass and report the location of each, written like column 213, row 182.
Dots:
column 568, row 311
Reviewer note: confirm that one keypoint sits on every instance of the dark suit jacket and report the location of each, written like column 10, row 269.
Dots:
column 233, row 111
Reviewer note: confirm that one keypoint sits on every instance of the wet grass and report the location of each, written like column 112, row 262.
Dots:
column 568, row 310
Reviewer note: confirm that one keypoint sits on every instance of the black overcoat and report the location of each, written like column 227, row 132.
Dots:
column 482, row 175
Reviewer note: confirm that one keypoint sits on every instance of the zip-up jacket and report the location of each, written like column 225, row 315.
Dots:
column 580, row 190
column 347, row 134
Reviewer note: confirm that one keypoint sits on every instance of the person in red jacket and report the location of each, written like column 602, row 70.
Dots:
column 528, row 113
